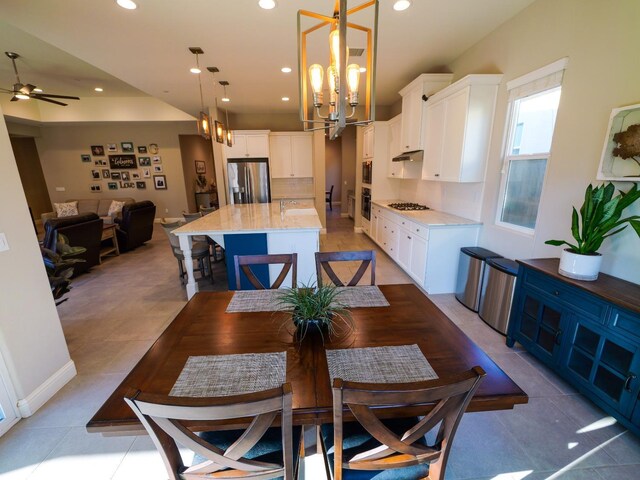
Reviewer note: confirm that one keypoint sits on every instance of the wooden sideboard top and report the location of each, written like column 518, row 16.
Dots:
column 615, row 290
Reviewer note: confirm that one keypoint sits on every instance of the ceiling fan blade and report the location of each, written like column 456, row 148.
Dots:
column 14, row 98
column 50, row 95
column 38, row 97
column 4, row 90
column 28, row 88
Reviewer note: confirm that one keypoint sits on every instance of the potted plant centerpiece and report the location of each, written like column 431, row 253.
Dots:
column 599, row 218
column 316, row 309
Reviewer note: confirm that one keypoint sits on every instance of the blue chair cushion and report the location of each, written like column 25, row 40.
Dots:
column 268, row 449
column 356, row 440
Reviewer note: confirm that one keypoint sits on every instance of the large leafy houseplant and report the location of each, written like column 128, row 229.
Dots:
column 600, row 217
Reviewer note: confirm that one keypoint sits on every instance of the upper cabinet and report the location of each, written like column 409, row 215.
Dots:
column 405, row 169
column 248, row 144
column 291, row 154
column 457, row 129
column 411, row 136
column 368, row 143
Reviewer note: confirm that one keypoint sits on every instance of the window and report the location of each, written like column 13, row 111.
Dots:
column 533, row 105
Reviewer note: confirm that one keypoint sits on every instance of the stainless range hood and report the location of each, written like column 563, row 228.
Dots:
column 413, row 156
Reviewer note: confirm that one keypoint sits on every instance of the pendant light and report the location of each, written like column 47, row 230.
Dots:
column 228, row 135
column 204, row 123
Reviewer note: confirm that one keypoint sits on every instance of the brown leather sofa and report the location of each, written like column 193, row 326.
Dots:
column 81, row 231
column 136, row 225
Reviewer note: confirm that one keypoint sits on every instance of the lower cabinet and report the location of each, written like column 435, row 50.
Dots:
column 580, row 330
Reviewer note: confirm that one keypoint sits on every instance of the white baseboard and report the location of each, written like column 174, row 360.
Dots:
column 28, row 406
column 357, row 229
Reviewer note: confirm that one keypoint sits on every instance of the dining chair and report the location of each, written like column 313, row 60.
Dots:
column 369, row 446
column 206, row 210
column 217, row 252
column 329, row 198
column 289, row 262
column 367, row 257
column 261, row 451
column 199, row 251
column 190, row 217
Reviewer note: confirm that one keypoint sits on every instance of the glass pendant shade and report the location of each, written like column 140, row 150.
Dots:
column 204, row 126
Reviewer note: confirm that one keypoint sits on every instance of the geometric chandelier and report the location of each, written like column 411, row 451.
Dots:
column 204, row 123
column 343, row 79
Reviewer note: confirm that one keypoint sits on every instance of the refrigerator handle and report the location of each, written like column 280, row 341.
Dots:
column 247, row 183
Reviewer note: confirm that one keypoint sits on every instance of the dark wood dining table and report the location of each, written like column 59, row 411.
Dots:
column 204, row 328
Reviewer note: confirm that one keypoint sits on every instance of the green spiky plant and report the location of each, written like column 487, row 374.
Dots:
column 310, row 305
column 600, row 218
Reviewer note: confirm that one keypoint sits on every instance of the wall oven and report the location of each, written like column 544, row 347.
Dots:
column 367, row 168
column 366, row 203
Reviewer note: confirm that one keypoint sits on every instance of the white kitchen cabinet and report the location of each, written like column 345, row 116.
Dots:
column 427, row 84
column 404, row 248
column 368, row 144
column 418, row 263
column 457, row 129
column 291, row 155
column 395, row 130
column 248, row 144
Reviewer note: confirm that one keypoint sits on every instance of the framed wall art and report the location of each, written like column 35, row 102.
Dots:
column 117, row 162
column 85, row 158
column 146, row 173
column 141, row 185
column 144, row 161
column 621, row 152
column 97, row 150
column 201, row 167
column 115, row 175
column 112, row 185
column 96, row 188
column 157, row 169
column 106, row 173
column 95, row 174
column 127, row 147
column 160, row 182
column 153, row 148
column 125, row 176
column 112, row 147
column 156, row 159
column 142, row 149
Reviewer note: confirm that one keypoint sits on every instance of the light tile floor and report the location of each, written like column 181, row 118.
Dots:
column 115, row 312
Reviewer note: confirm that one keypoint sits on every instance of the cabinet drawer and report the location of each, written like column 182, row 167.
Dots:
column 625, row 323
column 569, row 296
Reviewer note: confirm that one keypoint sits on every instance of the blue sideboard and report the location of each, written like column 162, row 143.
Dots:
column 587, row 332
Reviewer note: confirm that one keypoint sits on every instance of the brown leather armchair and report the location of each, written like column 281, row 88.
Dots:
column 136, row 225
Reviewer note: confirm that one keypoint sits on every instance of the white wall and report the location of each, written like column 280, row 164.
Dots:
column 600, row 39
column 31, row 339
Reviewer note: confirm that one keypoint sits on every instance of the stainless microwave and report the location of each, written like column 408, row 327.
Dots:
column 367, row 172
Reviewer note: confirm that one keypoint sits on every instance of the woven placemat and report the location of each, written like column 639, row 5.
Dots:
column 224, row 375
column 394, row 364
column 255, row 301
column 365, row 296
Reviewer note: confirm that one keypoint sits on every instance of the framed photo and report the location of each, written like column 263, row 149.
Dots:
column 157, row 169
column 106, row 173
column 127, row 147
column 219, row 131
column 96, row 188
column 97, row 150
column 115, row 175
column 112, row 147
column 156, row 159
column 101, row 162
column 622, row 146
column 146, row 173
column 201, row 167
column 153, row 148
column 112, row 185
column 85, row 158
column 117, row 162
column 125, row 176
column 141, row 185
column 142, row 149
column 95, row 174
column 144, row 161
column 135, row 175
column 160, row 182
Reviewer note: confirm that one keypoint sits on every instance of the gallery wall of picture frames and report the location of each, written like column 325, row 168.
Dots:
column 119, row 164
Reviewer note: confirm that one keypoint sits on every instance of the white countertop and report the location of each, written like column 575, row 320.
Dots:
column 428, row 218
column 253, row 218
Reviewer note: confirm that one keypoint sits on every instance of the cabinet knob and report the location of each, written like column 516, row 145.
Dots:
column 627, row 383
column 556, row 337
column 408, row 237
column 406, row 146
column 437, row 175
column 556, row 293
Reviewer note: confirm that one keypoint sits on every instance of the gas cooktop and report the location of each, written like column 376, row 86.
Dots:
column 408, row 206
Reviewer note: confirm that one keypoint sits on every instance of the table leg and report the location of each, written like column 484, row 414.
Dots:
column 185, row 245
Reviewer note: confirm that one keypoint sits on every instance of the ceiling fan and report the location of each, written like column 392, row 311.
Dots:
column 21, row 91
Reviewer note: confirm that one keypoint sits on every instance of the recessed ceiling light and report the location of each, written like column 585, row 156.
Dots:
column 226, row 99
column 285, row 70
column 267, row 4
column 362, row 69
column 285, row 99
column 38, row 90
column 401, row 5
column 99, row 89
column 195, row 70
column 128, row 4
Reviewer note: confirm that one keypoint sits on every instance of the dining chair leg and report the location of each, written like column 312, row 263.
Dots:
column 181, row 267
column 210, row 269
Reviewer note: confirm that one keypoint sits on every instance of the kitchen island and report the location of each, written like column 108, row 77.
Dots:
column 257, row 228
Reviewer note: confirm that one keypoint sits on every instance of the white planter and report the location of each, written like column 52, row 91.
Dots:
column 580, row 267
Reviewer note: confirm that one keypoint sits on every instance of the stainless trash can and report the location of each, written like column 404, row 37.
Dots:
column 497, row 293
column 470, row 274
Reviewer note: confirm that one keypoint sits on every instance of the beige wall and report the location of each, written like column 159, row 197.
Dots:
column 600, row 40
column 333, row 167
column 192, row 148
column 31, row 176
column 31, row 340
column 60, row 148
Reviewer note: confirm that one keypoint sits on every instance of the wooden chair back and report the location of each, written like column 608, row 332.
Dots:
column 289, row 261
column 165, row 419
column 368, row 257
column 445, row 400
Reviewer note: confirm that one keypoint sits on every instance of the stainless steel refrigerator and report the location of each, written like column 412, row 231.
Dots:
column 248, row 180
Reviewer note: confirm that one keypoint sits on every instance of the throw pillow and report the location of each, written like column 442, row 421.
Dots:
column 115, row 208
column 67, row 209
